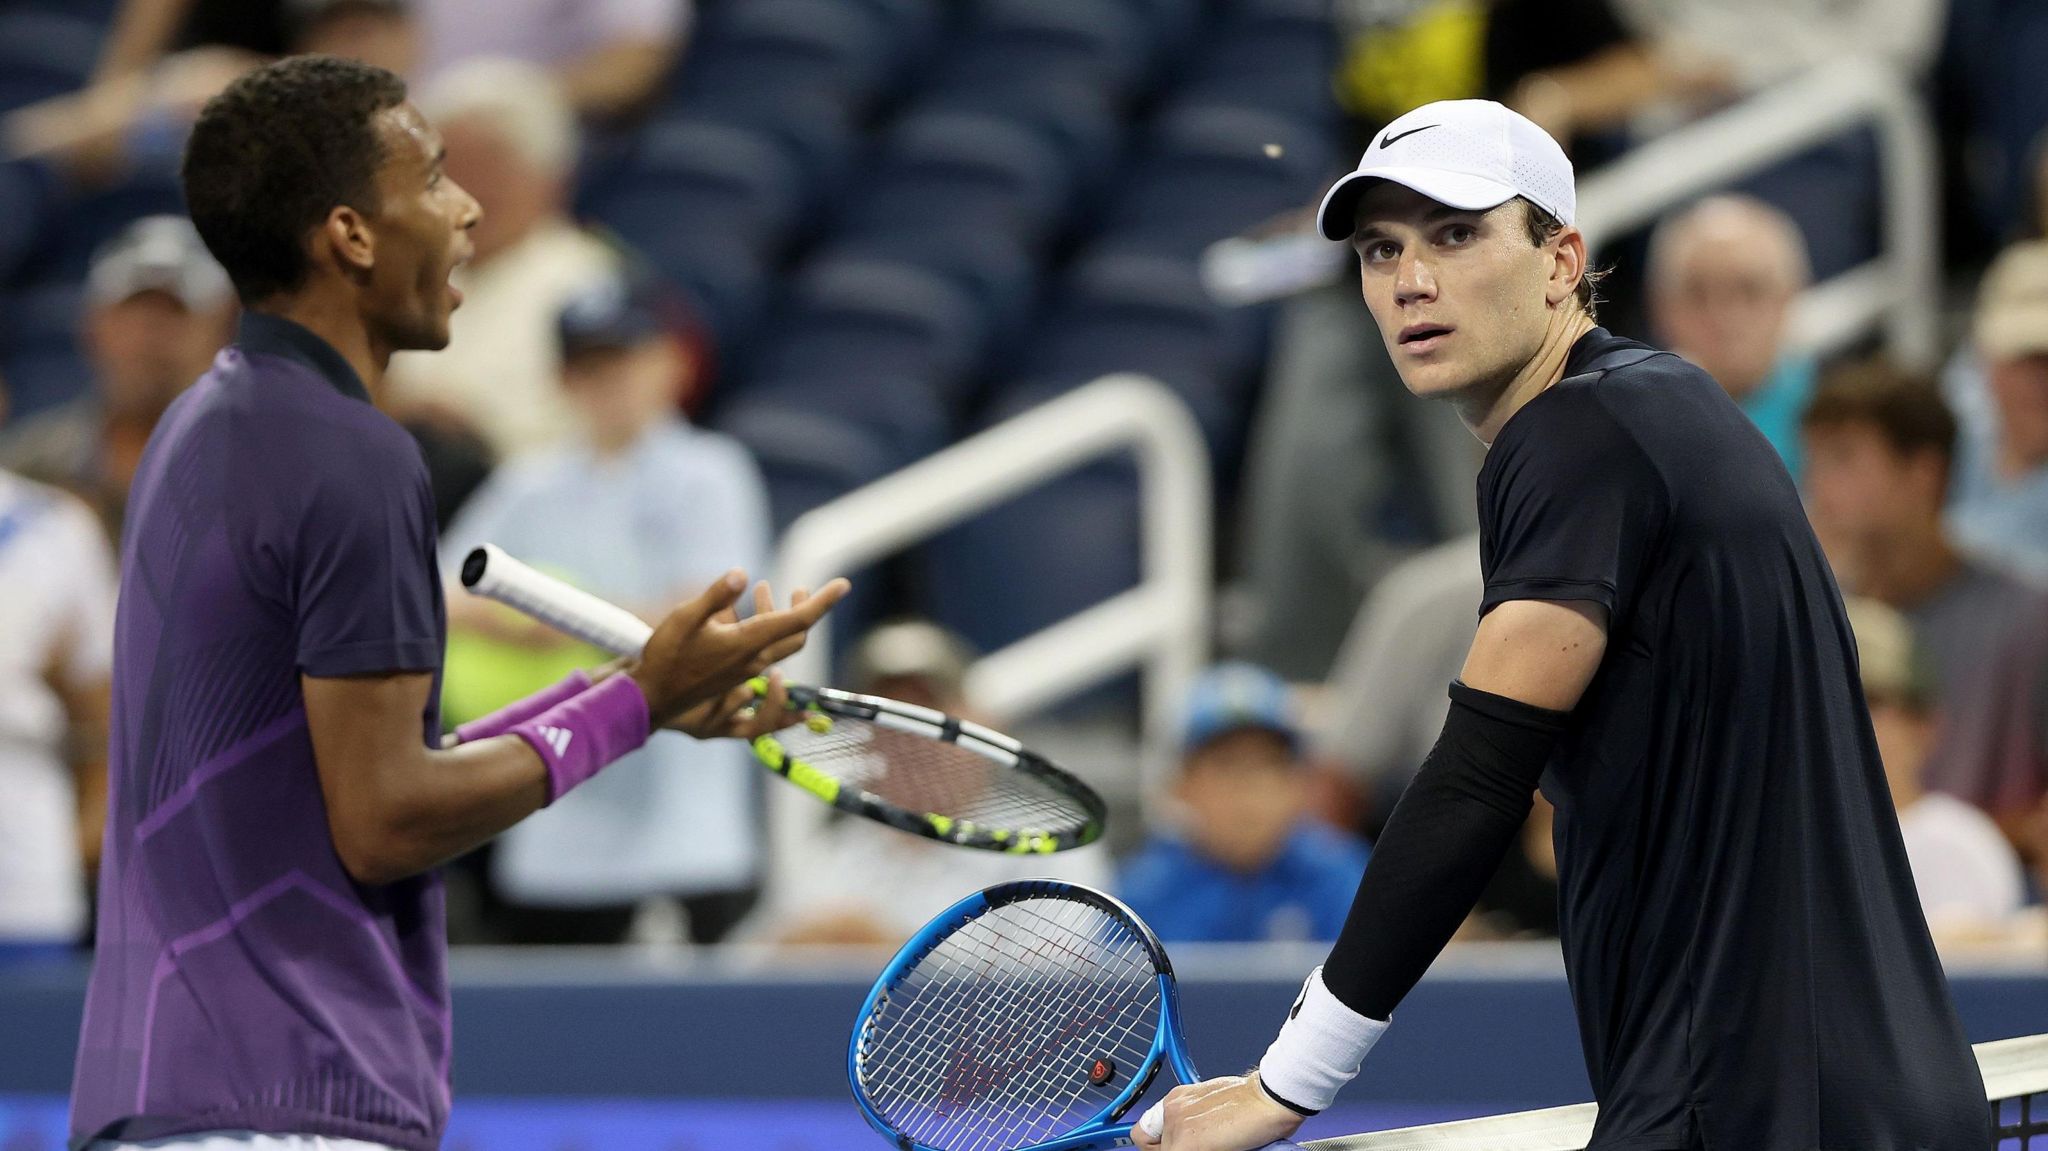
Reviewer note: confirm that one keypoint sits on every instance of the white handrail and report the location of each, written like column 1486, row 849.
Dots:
column 1161, row 626
column 1903, row 286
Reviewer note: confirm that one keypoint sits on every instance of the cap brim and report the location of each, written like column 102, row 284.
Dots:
column 1338, row 217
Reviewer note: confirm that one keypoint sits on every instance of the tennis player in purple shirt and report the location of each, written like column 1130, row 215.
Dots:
column 270, row 968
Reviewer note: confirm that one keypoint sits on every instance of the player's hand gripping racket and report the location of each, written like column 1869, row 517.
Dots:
column 1027, row 1017
column 910, row 767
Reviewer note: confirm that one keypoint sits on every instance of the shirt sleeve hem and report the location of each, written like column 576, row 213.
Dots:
column 371, row 656
column 1499, row 592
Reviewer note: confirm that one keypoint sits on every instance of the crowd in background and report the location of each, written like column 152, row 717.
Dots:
column 603, row 412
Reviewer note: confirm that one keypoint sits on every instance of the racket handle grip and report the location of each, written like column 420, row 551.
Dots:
column 489, row 572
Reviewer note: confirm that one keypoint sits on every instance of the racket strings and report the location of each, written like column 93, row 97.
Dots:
column 922, row 774
column 986, row 1044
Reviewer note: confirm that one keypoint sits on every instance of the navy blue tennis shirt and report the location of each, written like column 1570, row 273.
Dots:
column 279, row 525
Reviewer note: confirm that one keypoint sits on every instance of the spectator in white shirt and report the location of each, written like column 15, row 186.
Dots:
column 56, row 650
column 1969, row 878
column 639, row 507
column 608, row 56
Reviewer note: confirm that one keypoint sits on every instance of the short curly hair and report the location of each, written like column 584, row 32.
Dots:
column 273, row 154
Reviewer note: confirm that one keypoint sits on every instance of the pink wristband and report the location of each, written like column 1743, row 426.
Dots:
column 580, row 735
column 520, row 710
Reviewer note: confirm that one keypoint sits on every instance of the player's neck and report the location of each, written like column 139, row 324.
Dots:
column 336, row 318
column 1545, row 368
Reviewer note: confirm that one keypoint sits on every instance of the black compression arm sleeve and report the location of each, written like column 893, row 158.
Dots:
column 1441, row 846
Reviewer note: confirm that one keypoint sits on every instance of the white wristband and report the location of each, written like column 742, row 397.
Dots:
column 1319, row 1049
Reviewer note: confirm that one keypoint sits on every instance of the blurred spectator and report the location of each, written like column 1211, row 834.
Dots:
column 872, row 886
column 144, row 32
column 512, row 140
column 2000, row 388
column 1723, row 277
column 608, row 56
column 137, row 111
column 1384, row 705
column 1879, row 445
column 157, row 310
column 1688, row 57
column 642, row 509
column 57, row 614
column 1966, row 872
column 1247, row 863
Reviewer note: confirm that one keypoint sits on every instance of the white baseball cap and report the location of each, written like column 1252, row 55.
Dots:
column 1469, row 154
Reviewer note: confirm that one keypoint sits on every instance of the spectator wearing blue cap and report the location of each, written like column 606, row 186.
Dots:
column 1246, row 863
column 637, row 506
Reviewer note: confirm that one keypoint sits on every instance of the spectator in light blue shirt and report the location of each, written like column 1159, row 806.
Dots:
column 1723, row 276
column 1247, row 863
column 1998, row 506
column 639, row 507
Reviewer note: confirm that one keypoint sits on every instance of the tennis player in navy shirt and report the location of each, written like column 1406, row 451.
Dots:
column 1661, row 646
column 270, row 966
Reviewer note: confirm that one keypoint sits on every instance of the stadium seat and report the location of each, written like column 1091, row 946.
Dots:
column 806, row 457
column 1037, row 559
column 815, row 129
column 692, row 177
column 1041, row 44
column 1134, row 313
column 995, row 269
column 1276, row 55
column 859, row 320
column 40, row 360
column 43, row 54
column 957, row 170
column 92, row 219
column 1209, row 173
column 724, row 280
column 903, row 415
column 1080, row 122
column 838, row 51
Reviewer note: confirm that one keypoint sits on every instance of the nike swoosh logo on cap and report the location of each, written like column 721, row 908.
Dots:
column 1388, row 140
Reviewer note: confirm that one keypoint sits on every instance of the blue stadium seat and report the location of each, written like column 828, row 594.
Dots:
column 957, row 170
column 817, row 130
column 1209, row 173
column 807, row 457
column 693, row 178
column 1040, row 44
column 838, row 51
column 29, row 198
column 1080, row 122
column 43, row 54
column 1151, row 315
column 724, row 280
column 995, row 269
column 857, row 320
column 1037, row 559
column 914, row 26
column 90, row 220
column 40, row 360
column 1277, row 55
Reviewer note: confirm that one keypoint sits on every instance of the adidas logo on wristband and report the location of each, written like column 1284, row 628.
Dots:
column 557, row 738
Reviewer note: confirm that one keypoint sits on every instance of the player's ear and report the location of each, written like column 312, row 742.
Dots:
column 1567, row 252
column 347, row 234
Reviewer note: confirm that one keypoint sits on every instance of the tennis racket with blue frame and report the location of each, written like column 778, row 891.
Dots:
column 1030, row 1016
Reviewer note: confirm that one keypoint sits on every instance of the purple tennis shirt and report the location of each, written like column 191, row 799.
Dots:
column 279, row 525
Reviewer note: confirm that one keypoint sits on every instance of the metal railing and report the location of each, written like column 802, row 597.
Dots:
column 1901, row 289
column 1159, row 627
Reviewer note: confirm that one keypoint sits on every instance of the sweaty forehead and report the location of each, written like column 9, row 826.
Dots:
column 409, row 141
